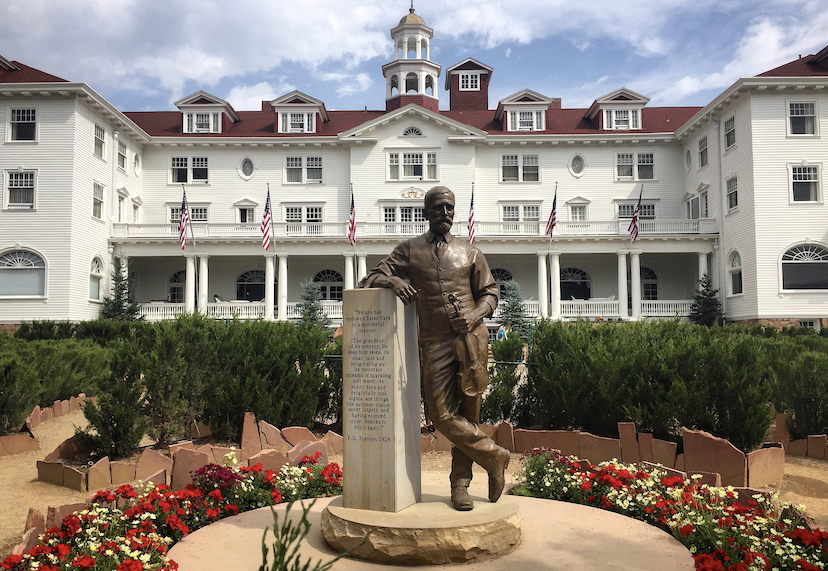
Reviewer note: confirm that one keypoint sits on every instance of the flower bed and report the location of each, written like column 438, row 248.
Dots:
column 722, row 533
column 137, row 536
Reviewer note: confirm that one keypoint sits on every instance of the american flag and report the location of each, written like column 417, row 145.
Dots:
column 183, row 220
column 633, row 229
column 471, row 218
column 266, row 222
column 352, row 221
column 553, row 216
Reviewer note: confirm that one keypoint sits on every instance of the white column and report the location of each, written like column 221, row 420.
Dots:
column 349, row 271
column 190, row 284
column 405, row 47
column 419, row 45
column 362, row 266
column 622, row 285
column 555, row 276
column 282, row 284
column 635, row 284
column 270, row 279
column 203, row 284
column 543, row 291
column 702, row 265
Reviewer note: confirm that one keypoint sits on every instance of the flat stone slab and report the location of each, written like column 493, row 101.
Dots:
column 429, row 532
column 555, row 536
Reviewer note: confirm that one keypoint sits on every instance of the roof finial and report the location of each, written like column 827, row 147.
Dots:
column 411, row 10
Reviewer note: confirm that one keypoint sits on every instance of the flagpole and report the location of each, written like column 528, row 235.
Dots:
column 189, row 217
column 272, row 235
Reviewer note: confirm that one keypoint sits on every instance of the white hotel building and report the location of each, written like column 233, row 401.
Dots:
column 733, row 189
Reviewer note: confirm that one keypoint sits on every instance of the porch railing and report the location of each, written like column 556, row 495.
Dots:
column 377, row 229
column 161, row 311
column 531, row 308
column 666, row 308
column 235, row 310
column 590, row 309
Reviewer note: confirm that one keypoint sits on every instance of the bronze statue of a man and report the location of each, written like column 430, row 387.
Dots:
column 454, row 290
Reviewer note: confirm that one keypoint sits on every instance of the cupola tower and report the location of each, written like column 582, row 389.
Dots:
column 411, row 77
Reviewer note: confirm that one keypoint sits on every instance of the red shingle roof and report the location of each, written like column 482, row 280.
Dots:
column 797, row 68
column 26, row 74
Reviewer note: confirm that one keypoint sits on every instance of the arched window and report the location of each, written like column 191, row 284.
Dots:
column 412, row 48
column 429, row 85
column 649, row 284
column 805, row 267
column 735, row 272
column 22, row 273
column 251, row 285
column 424, row 49
column 395, row 85
column 412, row 132
column 95, row 279
column 575, row 284
column 501, row 276
column 331, row 284
column 412, row 83
column 175, row 288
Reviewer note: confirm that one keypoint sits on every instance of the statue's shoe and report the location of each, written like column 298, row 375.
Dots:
column 497, row 475
column 460, row 499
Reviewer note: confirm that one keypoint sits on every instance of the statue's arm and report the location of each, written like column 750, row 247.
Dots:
column 485, row 291
column 390, row 273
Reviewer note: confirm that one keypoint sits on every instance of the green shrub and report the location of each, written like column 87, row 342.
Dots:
column 802, row 389
column 329, row 406
column 19, row 388
column 500, row 403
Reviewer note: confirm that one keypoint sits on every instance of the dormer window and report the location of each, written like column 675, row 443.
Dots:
column 469, row 82
column 202, row 122
column 297, row 122
column 621, row 119
column 526, row 121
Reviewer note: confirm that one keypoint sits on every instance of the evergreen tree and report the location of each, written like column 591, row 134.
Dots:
column 121, row 304
column 706, row 308
column 511, row 308
column 311, row 306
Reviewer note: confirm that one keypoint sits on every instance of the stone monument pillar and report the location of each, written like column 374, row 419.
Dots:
column 381, row 394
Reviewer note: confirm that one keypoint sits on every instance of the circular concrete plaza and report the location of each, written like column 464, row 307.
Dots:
column 556, row 536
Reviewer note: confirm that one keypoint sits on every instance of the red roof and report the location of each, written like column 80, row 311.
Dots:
column 797, row 68
column 262, row 123
column 26, row 74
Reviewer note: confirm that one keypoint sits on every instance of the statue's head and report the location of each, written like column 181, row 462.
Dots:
column 439, row 209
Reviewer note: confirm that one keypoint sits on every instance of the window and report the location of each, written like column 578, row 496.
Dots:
column 100, row 137
column 122, row 155
column 575, row 284
column 703, row 152
column 416, row 166
column 635, row 166
column 311, row 173
column 21, row 190
column 520, row 168
column 803, row 118
column 805, row 183
column 197, row 213
column 121, row 203
column 246, row 168
column 697, row 207
column 649, row 284
column 331, row 284
column 23, row 125
column 22, row 273
column 513, row 215
column 501, row 276
column 97, row 200
column 688, row 160
column 730, row 132
column 735, row 272
column 732, row 193
column 526, row 121
column 621, row 119
column 251, row 286
column 175, row 287
column 577, row 213
column 304, row 219
column 577, row 166
column 246, row 216
column 95, row 278
column 202, row 122
column 647, row 212
column 297, row 122
column 412, row 132
column 189, row 170
column 805, row 267
column 469, row 82
column 411, row 219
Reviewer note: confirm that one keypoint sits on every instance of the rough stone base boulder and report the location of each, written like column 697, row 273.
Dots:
column 705, row 452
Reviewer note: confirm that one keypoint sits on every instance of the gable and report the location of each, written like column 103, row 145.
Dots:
column 402, row 118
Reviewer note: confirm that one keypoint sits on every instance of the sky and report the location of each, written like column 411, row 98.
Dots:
column 143, row 55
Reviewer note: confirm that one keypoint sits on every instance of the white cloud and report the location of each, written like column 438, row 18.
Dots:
column 350, row 83
column 250, row 97
column 508, row 52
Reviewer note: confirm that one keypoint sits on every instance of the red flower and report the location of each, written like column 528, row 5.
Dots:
column 84, row 562
column 216, row 495
column 63, row 550
column 233, row 509
column 126, row 491
column 805, row 566
column 686, row 530
column 277, row 496
column 130, row 565
column 11, row 561
column 586, row 486
column 705, row 562
column 212, row 514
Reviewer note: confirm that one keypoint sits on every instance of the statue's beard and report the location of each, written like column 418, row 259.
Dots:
column 441, row 226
